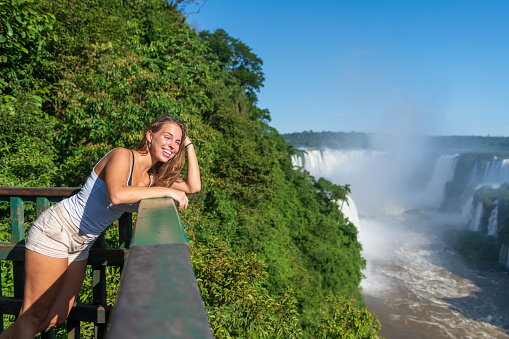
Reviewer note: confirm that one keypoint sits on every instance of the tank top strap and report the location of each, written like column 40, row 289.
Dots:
column 130, row 180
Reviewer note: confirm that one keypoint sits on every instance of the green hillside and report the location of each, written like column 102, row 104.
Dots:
column 271, row 254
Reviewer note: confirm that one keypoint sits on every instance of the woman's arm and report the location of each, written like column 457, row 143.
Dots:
column 116, row 171
column 192, row 182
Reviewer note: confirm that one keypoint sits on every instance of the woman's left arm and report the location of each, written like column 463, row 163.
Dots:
column 192, row 182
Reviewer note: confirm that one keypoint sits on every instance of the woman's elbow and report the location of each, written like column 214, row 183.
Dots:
column 115, row 198
column 195, row 189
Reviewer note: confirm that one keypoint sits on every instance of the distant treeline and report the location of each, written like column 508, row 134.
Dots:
column 358, row 140
column 310, row 139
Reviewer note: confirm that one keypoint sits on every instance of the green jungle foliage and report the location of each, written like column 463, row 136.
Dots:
column 478, row 249
column 272, row 254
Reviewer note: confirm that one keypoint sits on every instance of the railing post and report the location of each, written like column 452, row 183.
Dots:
column 17, row 220
column 42, row 204
column 18, row 236
column 99, row 289
column 125, row 230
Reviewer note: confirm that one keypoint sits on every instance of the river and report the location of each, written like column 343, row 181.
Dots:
column 419, row 287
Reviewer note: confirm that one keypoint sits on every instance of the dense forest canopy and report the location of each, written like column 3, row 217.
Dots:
column 78, row 78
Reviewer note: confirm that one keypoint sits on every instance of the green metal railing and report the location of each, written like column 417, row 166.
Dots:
column 158, row 295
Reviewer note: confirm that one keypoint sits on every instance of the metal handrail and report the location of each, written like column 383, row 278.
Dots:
column 158, row 294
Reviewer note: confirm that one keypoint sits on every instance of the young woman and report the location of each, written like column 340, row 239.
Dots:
column 60, row 239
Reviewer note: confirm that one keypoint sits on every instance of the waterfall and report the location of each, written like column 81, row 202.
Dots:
column 474, row 175
column 443, row 172
column 467, row 211
column 297, row 161
column 326, row 163
column 504, row 255
column 350, row 211
column 493, row 221
column 497, row 171
column 475, row 222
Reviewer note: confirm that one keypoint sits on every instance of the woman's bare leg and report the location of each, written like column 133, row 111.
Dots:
column 67, row 294
column 44, row 276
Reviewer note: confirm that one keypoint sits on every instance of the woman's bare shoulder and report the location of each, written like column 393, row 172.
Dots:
column 118, row 155
column 120, row 151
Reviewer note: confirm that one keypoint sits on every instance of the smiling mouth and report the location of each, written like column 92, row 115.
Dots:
column 167, row 153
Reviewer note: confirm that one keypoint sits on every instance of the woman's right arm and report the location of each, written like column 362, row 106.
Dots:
column 116, row 173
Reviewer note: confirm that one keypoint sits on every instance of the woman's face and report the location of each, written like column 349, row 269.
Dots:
column 165, row 143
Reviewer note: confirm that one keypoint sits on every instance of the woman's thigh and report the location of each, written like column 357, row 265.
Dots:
column 44, row 276
column 51, row 286
column 69, row 290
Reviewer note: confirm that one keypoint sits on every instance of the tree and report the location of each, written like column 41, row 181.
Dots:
column 24, row 33
column 182, row 5
column 238, row 59
column 343, row 320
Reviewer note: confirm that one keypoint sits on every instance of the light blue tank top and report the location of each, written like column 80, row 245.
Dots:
column 91, row 211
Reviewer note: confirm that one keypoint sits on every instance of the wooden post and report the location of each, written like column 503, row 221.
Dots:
column 42, row 205
column 17, row 220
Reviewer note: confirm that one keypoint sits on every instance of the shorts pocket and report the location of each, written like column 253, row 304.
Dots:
column 49, row 223
column 80, row 241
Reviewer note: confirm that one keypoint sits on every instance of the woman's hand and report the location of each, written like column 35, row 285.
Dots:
column 192, row 181
column 187, row 141
column 180, row 197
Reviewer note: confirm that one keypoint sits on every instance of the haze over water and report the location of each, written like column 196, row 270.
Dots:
column 415, row 283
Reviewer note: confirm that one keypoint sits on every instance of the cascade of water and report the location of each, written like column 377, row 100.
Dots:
column 468, row 209
column 325, row 163
column 475, row 222
column 350, row 211
column 493, row 221
column 297, row 161
column 442, row 173
column 314, row 162
column 497, row 171
column 474, row 175
column 507, row 255
column 503, row 257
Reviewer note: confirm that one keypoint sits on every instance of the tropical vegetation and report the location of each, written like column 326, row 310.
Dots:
column 270, row 250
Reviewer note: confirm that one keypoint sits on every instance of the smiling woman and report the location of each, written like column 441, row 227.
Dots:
column 59, row 241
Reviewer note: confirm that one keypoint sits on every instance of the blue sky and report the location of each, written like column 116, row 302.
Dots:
column 407, row 67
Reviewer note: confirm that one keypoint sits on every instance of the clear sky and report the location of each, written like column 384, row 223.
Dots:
column 433, row 67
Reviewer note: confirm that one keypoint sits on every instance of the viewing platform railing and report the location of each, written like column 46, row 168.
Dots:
column 158, row 295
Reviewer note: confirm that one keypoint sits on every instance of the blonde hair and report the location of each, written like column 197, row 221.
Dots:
column 165, row 173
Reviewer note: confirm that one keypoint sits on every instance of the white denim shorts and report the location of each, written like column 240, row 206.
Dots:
column 54, row 234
